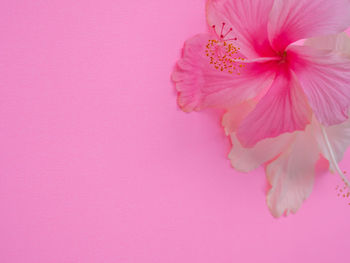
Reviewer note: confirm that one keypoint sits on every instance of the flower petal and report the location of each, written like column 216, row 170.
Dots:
column 292, row 20
column 324, row 77
column 200, row 85
column 248, row 19
column 338, row 43
column 339, row 139
column 247, row 159
column 233, row 117
column 283, row 109
column 291, row 175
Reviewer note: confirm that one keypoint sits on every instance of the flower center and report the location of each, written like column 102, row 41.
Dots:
column 283, row 56
column 222, row 52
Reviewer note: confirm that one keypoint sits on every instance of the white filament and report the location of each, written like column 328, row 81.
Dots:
column 332, row 157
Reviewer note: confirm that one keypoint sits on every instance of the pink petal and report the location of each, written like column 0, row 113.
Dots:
column 292, row 20
column 325, row 78
column 291, row 175
column 234, row 116
column 339, row 43
column 248, row 19
column 283, row 109
column 200, row 85
column 247, row 159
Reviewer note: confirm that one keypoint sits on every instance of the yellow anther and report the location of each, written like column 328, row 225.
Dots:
column 223, row 55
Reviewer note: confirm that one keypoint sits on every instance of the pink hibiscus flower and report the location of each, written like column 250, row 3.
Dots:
column 249, row 56
column 291, row 157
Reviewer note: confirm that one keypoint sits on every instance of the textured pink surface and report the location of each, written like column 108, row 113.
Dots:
column 97, row 163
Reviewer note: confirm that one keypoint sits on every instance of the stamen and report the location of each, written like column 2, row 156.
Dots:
column 343, row 192
column 231, row 39
column 228, row 32
column 333, row 161
column 222, row 54
column 222, row 29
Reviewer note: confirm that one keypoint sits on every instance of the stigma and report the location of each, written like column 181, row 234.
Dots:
column 223, row 54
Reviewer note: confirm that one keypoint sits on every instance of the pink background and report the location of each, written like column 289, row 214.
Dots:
column 97, row 163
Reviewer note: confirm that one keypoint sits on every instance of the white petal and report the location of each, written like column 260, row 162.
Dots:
column 291, row 175
column 339, row 139
column 247, row 159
